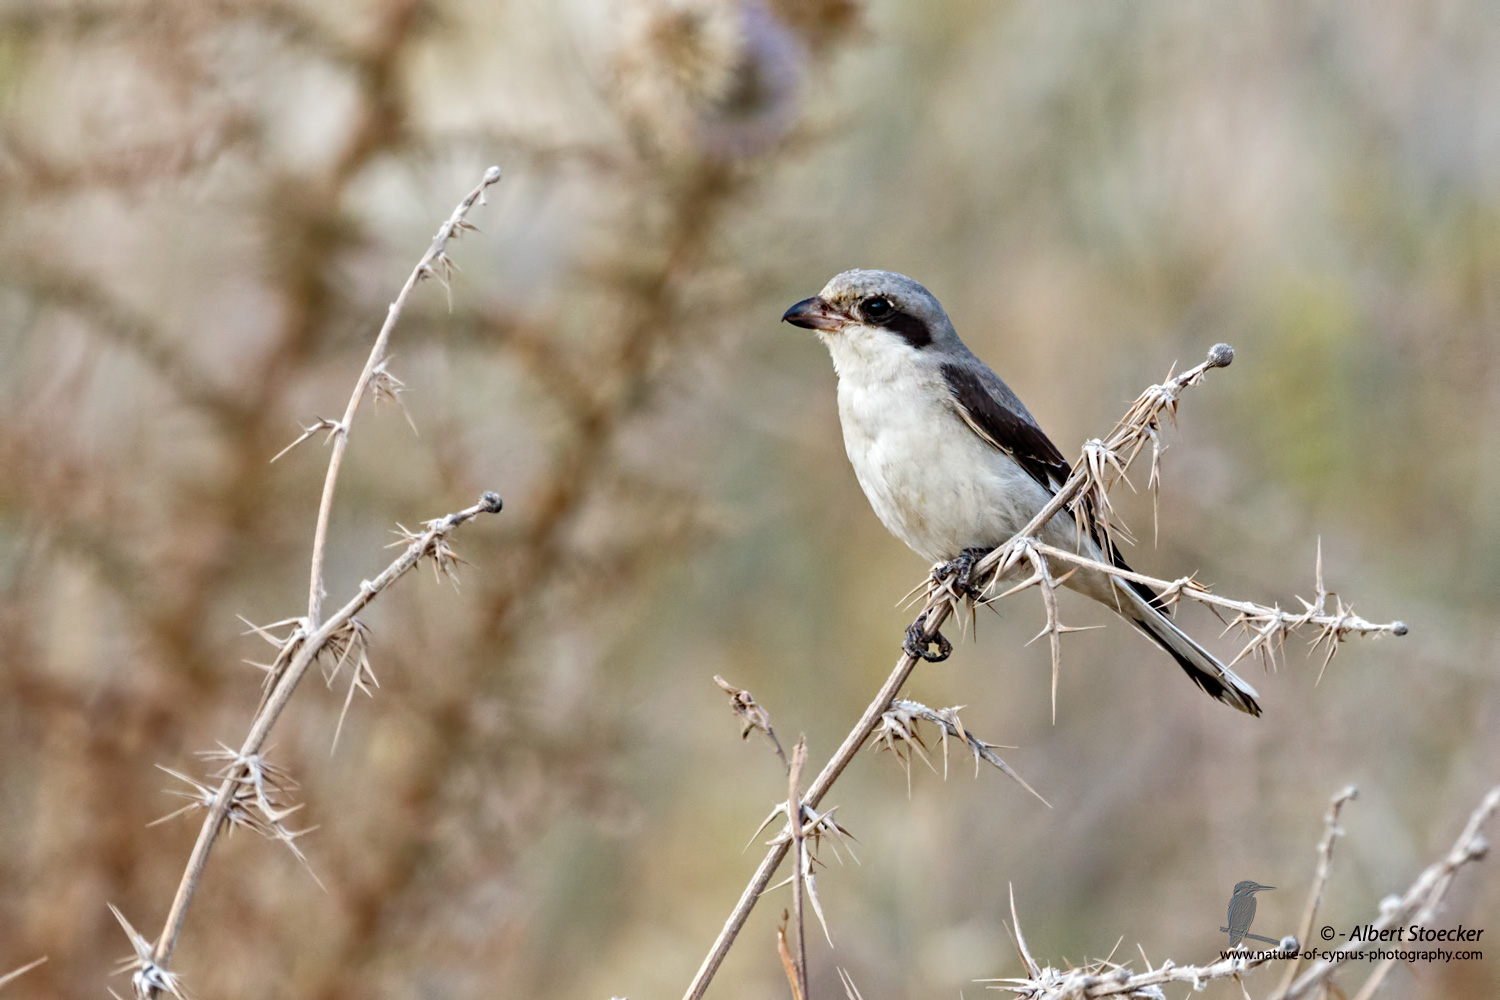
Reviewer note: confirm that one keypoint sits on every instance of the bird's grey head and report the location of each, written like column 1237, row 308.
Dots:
column 875, row 304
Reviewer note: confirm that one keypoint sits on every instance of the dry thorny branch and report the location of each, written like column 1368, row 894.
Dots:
column 1103, row 464
column 251, row 790
column 1418, row 904
column 801, row 867
column 1331, row 832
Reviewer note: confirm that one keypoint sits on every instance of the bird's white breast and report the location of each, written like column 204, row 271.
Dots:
column 932, row 481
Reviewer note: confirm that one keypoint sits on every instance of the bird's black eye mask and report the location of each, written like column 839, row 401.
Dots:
column 878, row 310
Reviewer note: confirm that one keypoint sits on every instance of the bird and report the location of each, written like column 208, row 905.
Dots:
column 953, row 463
column 1242, row 911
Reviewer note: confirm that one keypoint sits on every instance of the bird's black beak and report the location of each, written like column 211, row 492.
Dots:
column 1258, row 888
column 813, row 314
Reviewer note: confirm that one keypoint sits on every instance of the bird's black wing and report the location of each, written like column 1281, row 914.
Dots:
column 993, row 412
column 1006, row 427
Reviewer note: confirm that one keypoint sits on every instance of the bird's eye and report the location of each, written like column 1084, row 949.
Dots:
column 877, row 309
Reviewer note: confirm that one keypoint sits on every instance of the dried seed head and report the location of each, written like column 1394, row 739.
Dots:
column 716, row 79
column 754, row 716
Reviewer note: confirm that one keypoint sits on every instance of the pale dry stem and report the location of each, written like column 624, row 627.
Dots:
column 247, row 780
column 1104, row 462
column 799, row 861
column 435, row 263
column 247, row 769
column 814, row 827
column 1268, row 625
column 936, row 613
column 256, row 804
column 788, row 961
column 851, row 992
column 1331, row 832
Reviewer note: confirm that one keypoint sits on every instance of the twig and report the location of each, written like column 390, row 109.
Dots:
column 310, row 636
column 937, row 613
column 1270, row 624
column 788, row 963
column 799, row 857
column 1331, row 832
column 436, row 254
column 1086, row 493
column 431, row 543
column 1106, row 978
column 1054, row 629
column 1015, row 923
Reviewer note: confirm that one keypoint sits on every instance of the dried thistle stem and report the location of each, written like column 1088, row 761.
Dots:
column 788, row 963
column 1331, row 832
column 436, row 254
column 799, row 857
column 423, row 545
column 311, row 636
column 938, row 610
column 1269, row 624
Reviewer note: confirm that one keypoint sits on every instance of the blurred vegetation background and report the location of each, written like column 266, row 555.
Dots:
column 205, row 208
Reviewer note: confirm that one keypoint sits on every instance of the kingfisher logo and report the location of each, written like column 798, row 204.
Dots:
column 1242, row 914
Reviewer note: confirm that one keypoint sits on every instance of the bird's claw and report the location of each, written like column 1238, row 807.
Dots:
column 917, row 643
column 961, row 571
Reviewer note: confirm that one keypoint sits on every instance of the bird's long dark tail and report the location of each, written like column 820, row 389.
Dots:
column 1199, row 664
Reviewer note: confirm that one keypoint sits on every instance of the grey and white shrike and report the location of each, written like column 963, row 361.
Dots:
column 950, row 459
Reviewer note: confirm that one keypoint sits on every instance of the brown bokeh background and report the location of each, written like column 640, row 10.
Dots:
column 204, row 210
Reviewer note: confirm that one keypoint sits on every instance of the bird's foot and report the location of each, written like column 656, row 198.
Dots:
column 961, row 571
column 917, row 643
